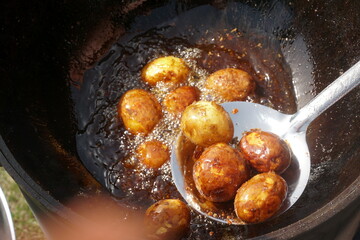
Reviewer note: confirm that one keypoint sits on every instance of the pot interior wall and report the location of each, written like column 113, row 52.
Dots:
column 51, row 45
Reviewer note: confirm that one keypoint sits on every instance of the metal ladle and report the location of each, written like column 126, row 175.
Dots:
column 291, row 128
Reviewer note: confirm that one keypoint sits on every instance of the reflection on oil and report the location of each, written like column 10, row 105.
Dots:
column 252, row 38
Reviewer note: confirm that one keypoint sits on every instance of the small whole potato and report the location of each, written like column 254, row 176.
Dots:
column 153, row 154
column 230, row 84
column 219, row 172
column 177, row 100
column 167, row 219
column 260, row 198
column 140, row 111
column 205, row 123
column 265, row 151
column 165, row 69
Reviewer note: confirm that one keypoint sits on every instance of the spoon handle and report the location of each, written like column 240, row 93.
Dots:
column 330, row 95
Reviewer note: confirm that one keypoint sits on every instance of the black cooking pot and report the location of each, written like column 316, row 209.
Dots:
column 48, row 46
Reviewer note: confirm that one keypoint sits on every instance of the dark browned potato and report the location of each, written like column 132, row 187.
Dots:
column 205, row 123
column 177, row 100
column 230, row 84
column 140, row 111
column 165, row 69
column 153, row 154
column 219, row 172
column 265, row 151
column 260, row 198
column 167, row 219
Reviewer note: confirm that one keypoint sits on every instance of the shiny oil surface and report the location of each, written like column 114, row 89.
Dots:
column 208, row 38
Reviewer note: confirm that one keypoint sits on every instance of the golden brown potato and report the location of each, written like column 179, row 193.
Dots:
column 219, row 172
column 140, row 111
column 153, row 154
column 231, row 84
column 167, row 219
column 165, row 69
column 260, row 198
column 206, row 123
column 177, row 100
column 265, row 151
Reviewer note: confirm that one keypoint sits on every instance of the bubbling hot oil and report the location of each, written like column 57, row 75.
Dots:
column 107, row 149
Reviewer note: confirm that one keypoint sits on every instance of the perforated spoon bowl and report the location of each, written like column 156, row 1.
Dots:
column 291, row 128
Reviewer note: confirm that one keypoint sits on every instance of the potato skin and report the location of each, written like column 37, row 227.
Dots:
column 153, row 154
column 205, row 123
column 167, row 219
column 165, row 69
column 140, row 111
column 177, row 100
column 260, row 198
column 219, row 172
column 265, row 151
column 231, row 84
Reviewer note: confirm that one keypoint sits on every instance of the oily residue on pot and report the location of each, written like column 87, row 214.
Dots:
column 208, row 39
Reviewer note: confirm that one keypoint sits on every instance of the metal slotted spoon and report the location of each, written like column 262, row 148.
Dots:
column 291, row 128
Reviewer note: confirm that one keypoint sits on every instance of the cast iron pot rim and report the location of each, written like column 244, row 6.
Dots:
column 26, row 183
